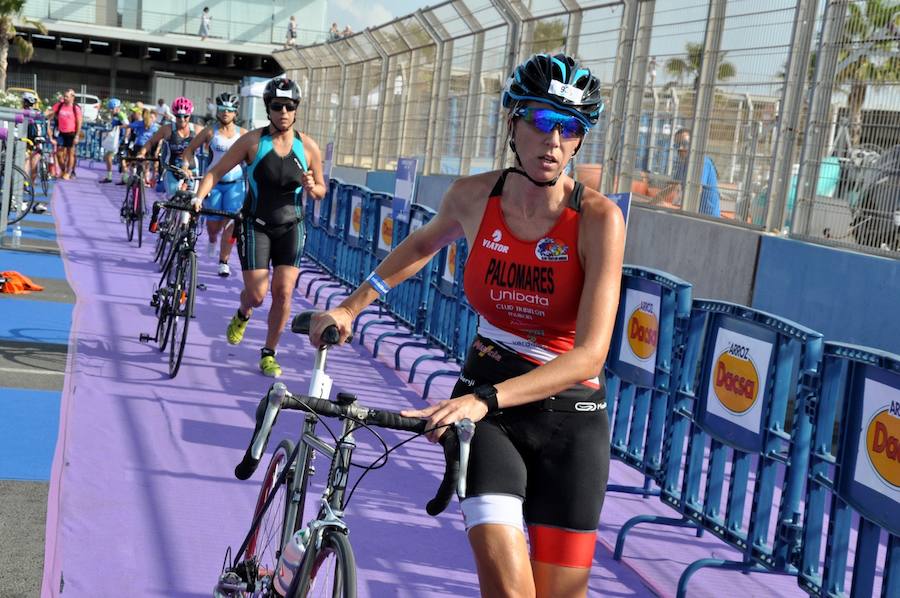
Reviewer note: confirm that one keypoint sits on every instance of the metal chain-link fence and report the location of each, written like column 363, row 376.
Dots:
column 775, row 114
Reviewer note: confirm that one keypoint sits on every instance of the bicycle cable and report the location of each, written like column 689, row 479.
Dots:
column 382, row 459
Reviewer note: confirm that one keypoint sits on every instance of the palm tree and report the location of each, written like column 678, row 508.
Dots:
column 870, row 42
column 689, row 67
column 9, row 10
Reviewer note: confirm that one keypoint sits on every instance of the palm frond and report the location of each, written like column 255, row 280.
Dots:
column 24, row 48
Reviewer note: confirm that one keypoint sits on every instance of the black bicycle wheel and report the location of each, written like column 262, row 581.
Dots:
column 22, row 200
column 128, row 210
column 45, row 176
column 182, row 303
column 264, row 542
column 328, row 571
column 139, row 215
column 162, row 237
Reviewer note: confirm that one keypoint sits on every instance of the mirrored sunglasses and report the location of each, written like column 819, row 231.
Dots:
column 182, row 116
column 279, row 106
column 226, row 108
column 545, row 120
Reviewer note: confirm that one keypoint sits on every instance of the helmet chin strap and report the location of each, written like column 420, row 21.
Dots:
column 550, row 183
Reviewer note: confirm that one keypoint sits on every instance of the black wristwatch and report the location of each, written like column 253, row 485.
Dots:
column 488, row 394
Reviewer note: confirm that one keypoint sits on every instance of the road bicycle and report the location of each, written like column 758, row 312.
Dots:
column 175, row 294
column 328, row 565
column 132, row 210
column 43, row 171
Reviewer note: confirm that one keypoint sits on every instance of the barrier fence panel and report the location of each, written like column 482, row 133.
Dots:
column 643, row 365
column 853, row 487
column 854, row 131
column 448, row 320
column 740, row 429
column 408, row 302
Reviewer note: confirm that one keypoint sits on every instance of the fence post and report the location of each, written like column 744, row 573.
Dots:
column 5, row 194
column 638, row 79
column 431, row 132
column 332, row 134
column 613, row 147
column 513, row 41
column 789, row 117
column 819, row 105
column 468, row 146
column 379, row 112
column 703, row 102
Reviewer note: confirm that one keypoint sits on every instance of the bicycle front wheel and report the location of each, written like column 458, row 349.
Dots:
column 182, row 304
column 139, row 215
column 22, row 200
column 45, row 177
column 128, row 210
column 328, row 571
column 277, row 523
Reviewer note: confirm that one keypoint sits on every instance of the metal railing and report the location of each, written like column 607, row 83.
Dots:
column 765, row 115
column 232, row 20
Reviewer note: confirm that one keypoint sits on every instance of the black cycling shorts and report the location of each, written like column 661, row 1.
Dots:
column 557, row 462
column 67, row 139
column 280, row 245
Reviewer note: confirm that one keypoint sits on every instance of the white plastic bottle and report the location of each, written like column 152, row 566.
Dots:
column 290, row 560
column 17, row 236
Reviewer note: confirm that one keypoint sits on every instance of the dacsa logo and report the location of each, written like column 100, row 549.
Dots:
column 387, row 230
column 736, row 381
column 883, row 443
column 356, row 219
column 643, row 330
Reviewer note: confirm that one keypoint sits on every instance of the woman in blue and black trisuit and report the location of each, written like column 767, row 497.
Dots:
column 281, row 165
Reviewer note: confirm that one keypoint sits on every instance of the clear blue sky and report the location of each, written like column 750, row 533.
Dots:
column 360, row 14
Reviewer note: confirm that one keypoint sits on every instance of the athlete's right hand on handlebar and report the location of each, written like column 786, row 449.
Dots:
column 339, row 316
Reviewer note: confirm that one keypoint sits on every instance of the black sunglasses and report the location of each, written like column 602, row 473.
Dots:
column 279, row 106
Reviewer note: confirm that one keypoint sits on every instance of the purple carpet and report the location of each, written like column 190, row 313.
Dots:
column 143, row 501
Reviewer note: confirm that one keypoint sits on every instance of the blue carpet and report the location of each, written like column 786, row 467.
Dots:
column 32, row 264
column 35, row 321
column 28, row 429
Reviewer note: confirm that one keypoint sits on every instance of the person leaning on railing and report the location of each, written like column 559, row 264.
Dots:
column 543, row 272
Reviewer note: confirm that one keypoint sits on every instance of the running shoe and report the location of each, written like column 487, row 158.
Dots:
column 39, row 208
column 224, row 270
column 236, row 328
column 269, row 367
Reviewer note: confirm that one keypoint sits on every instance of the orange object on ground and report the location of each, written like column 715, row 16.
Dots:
column 16, row 283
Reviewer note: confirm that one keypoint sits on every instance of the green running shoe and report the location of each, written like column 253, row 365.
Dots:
column 269, row 367
column 236, row 328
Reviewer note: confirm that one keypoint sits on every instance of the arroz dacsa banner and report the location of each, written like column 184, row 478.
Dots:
column 737, row 380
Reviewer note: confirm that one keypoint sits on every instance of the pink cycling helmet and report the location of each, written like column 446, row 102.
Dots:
column 182, row 105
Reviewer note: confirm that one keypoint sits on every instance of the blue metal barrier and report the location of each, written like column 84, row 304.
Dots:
column 854, row 476
column 749, row 403
column 89, row 147
column 452, row 322
column 352, row 256
column 407, row 303
column 642, row 367
column 332, row 220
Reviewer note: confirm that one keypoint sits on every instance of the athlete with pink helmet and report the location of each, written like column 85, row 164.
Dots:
column 177, row 137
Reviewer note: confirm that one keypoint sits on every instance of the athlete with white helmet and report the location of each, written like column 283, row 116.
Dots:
column 281, row 164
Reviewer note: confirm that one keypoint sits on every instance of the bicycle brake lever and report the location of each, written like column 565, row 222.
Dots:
column 465, row 430
column 270, row 406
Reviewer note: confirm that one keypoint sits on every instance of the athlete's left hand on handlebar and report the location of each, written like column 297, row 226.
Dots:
column 442, row 414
